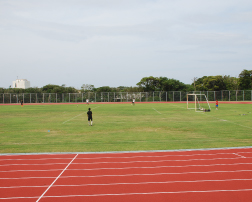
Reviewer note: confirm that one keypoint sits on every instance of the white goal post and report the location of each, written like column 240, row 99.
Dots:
column 198, row 102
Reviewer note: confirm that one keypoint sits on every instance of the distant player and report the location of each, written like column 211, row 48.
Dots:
column 216, row 104
column 90, row 118
column 87, row 101
column 133, row 101
column 22, row 103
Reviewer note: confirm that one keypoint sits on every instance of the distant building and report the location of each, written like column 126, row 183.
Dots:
column 21, row 83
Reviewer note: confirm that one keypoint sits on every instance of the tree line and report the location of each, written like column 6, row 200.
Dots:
column 148, row 84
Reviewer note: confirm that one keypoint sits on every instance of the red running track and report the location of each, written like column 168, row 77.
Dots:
column 220, row 175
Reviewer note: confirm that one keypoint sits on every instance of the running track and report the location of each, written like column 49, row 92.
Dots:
column 219, row 175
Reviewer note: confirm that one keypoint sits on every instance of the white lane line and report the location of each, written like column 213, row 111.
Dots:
column 76, row 116
column 239, row 155
column 131, row 183
column 36, row 164
column 125, row 194
column 25, row 178
column 10, row 198
column 134, row 174
column 156, row 174
column 129, row 162
column 160, row 182
column 127, row 168
column 228, row 121
column 151, row 193
column 122, row 157
column 37, row 159
column 158, row 161
column 11, row 171
column 160, row 156
column 156, row 110
column 57, row 178
column 125, row 157
column 73, row 118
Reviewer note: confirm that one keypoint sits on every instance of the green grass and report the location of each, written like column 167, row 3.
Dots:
column 122, row 127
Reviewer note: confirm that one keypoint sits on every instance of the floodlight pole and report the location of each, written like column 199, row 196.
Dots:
column 195, row 79
column 195, row 97
column 187, row 100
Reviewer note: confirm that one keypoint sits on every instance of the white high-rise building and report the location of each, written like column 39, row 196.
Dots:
column 21, row 83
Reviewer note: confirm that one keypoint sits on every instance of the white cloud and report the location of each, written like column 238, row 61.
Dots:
column 129, row 38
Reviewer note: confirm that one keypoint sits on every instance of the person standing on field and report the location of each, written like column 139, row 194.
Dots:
column 216, row 104
column 133, row 101
column 90, row 118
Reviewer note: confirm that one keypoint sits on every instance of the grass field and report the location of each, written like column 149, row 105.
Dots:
column 122, row 127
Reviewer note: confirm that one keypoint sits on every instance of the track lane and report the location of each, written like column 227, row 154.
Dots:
column 144, row 176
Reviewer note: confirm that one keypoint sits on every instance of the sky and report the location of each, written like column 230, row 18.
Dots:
column 118, row 42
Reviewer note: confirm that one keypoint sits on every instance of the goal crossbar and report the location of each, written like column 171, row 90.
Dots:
column 198, row 103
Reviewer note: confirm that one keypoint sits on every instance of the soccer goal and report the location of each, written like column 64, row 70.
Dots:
column 198, row 102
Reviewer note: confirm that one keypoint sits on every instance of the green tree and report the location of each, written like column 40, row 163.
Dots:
column 105, row 89
column 210, row 83
column 132, row 89
column 245, row 80
column 33, row 90
column 71, row 90
column 160, row 84
column 148, row 83
column 231, row 82
column 48, row 88
column 14, row 90
column 58, row 89
column 87, row 88
column 189, row 87
column 166, row 84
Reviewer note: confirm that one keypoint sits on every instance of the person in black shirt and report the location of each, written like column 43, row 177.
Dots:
column 90, row 118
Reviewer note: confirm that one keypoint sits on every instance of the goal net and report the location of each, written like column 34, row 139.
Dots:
column 198, row 102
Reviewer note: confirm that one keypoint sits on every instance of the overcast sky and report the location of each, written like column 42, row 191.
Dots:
column 118, row 42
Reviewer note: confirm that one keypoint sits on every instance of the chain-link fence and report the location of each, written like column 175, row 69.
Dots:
column 169, row 96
